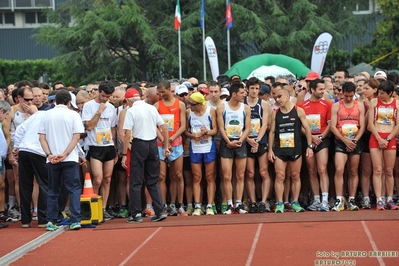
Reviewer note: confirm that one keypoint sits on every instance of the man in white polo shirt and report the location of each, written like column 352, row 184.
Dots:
column 59, row 133
column 141, row 123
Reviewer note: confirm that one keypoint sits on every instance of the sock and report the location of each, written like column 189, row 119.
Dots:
column 209, row 206
column 238, row 203
column 366, row 198
column 317, row 198
column 383, row 199
column 389, row 199
column 380, row 199
column 11, row 201
column 230, row 202
column 198, row 205
column 324, row 196
column 351, row 198
column 35, row 209
column 172, row 205
column 340, row 198
column 189, row 205
column 66, row 209
column 149, row 206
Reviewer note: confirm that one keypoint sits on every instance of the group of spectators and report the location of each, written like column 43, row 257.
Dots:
column 233, row 146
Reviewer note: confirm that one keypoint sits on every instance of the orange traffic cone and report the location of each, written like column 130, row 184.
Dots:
column 88, row 188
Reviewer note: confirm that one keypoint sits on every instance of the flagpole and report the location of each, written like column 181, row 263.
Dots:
column 228, row 49
column 179, row 40
column 203, row 49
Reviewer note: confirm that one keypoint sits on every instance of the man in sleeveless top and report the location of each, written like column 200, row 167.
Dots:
column 100, row 119
column 318, row 114
column 347, row 124
column 257, row 145
column 234, row 122
column 173, row 112
column 285, row 147
column 201, row 129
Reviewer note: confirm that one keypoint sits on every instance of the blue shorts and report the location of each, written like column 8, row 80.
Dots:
column 200, row 158
column 176, row 153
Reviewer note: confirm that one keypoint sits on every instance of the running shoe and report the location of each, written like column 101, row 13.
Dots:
column 268, row 206
column 262, row 207
column 3, row 225
column 366, row 204
column 198, row 212
column 224, row 207
column 112, row 211
column 159, row 217
column 25, row 225
column 75, row 226
column 215, row 211
column 181, row 211
column 241, row 209
column 314, row 206
column 149, row 212
column 287, row 207
column 209, row 211
column 297, row 207
column 172, row 210
column 14, row 213
column 351, row 205
column 391, row 205
column 253, row 208
column 66, row 214
column 279, row 207
column 123, row 213
column 6, row 218
column 135, row 219
column 107, row 216
column 331, row 202
column 190, row 210
column 34, row 216
column 324, row 206
column 338, row 206
column 380, row 206
column 51, row 227
column 230, row 210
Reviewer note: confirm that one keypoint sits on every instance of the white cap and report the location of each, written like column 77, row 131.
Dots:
column 380, row 74
column 73, row 100
column 225, row 92
column 181, row 89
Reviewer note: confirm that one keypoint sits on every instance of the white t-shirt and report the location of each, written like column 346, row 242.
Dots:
column 142, row 119
column 101, row 135
column 59, row 125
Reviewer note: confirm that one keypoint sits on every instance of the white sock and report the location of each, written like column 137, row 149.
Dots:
column 11, row 201
column 366, row 198
column 389, row 198
column 35, row 209
column 189, row 205
column 230, row 202
column 149, row 206
column 324, row 196
column 198, row 205
column 209, row 205
column 317, row 198
column 238, row 203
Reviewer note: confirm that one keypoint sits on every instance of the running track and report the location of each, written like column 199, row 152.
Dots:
column 258, row 239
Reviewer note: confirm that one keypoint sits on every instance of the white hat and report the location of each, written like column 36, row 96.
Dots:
column 380, row 74
column 225, row 92
column 73, row 100
column 181, row 89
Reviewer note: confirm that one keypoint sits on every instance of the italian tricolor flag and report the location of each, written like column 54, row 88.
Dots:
column 177, row 15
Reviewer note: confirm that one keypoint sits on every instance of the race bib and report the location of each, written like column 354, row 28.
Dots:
column 349, row 131
column 385, row 115
column 255, row 127
column 197, row 132
column 169, row 120
column 233, row 131
column 286, row 140
column 314, row 122
column 103, row 136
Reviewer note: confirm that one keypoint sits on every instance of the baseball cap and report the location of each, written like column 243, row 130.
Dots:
column 130, row 93
column 188, row 85
column 181, row 89
column 225, row 92
column 73, row 100
column 380, row 74
column 264, row 89
column 205, row 91
column 235, row 78
column 312, row 76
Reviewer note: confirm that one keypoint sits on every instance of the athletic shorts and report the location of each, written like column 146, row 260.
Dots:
column 291, row 158
column 226, row 152
column 262, row 149
column 7, row 164
column 176, row 153
column 186, row 164
column 373, row 143
column 341, row 147
column 118, row 166
column 200, row 158
column 324, row 144
column 103, row 153
column 366, row 141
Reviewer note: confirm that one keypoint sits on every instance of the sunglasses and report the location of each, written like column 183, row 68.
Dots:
column 95, row 89
column 28, row 99
column 193, row 104
column 90, row 91
column 183, row 94
column 301, row 86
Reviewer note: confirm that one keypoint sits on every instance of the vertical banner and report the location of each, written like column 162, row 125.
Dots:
column 212, row 57
column 320, row 50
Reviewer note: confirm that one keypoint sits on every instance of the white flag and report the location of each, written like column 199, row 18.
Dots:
column 212, row 56
column 320, row 50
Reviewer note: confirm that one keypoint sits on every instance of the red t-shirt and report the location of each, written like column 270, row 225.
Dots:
column 318, row 114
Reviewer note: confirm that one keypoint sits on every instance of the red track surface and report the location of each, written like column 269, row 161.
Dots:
column 220, row 240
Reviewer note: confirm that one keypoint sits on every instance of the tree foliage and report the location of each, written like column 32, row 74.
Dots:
column 136, row 40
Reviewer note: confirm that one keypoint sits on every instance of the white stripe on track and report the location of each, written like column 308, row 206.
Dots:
column 254, row 243
column 373, row 245
column 139, row 247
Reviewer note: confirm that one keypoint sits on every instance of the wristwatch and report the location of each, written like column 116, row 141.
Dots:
column 388, row 139
column 311, row 146
column 170, row 140
column 257, row 141
column 354, row 141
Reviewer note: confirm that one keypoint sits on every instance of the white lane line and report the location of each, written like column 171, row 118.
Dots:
column 254, row 243
column 139, row 247
column 366, row 229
